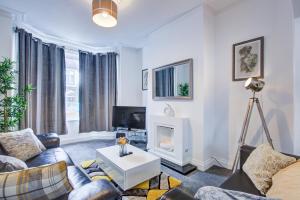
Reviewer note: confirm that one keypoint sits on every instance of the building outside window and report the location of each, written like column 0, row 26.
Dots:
column 72, row 87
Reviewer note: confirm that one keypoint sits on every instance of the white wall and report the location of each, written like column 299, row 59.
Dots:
column 5, row 35
column 180, row 40
column 297, row 86
column 130, row 77
column 296, row 8
column 246, row 20
column 209, row 84
column 217, row 111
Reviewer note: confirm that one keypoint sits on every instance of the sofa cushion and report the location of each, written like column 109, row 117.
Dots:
column 2, row 150
column 77, row 177
column 215, row 193
column 100, row 190
column 8, row 164
column 45, row 182
column 286, row 183
column 241, row 182
column 34, row 137
column 263, row 163
column 20, row 144
column 50, row 156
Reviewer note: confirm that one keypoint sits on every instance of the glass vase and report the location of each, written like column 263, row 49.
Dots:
column 123, row 150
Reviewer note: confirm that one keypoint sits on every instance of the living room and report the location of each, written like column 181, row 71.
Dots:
column 139, row 99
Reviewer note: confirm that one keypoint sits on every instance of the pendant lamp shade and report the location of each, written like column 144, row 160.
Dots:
column 105, row 13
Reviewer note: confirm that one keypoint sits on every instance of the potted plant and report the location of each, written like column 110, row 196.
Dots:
column 12, row 103
column 183, row 89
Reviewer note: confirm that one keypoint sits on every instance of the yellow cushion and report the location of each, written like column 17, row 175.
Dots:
column 286, row 183
column 97, row 178
column 87, row 163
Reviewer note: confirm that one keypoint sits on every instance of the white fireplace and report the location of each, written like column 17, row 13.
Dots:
column 170, row 139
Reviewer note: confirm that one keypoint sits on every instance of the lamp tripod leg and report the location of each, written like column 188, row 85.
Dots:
column 243, row 133
column 261, row 114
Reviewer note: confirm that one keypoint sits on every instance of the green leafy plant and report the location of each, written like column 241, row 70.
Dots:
column 183, row 89
column 12, row 106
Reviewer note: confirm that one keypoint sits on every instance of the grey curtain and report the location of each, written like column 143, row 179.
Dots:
column 43, row 66
column 165, row 82
column 97, row 91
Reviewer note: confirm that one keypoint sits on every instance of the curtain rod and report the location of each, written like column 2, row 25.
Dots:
column 87, row 52
column 16, row 28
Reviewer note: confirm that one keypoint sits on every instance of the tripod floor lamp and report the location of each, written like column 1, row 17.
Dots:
column 255, row 85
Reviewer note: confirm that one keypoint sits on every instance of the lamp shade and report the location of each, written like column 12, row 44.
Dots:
column 105, row 13
column 254, row 84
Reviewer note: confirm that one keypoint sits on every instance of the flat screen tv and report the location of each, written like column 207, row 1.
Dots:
column 129, row 117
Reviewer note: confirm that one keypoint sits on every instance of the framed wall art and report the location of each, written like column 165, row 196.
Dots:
column 248, row 59
column 145, row 76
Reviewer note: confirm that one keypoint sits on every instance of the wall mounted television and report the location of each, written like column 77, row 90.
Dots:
column 129, row 117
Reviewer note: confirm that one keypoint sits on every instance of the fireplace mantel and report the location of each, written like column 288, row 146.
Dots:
column 170, row 138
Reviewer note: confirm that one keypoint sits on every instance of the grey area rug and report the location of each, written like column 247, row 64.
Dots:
column 191, row 183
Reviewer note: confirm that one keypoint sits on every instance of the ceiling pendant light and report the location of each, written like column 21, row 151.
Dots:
column 105, row 13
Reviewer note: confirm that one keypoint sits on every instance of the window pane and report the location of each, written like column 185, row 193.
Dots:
column 72, row 86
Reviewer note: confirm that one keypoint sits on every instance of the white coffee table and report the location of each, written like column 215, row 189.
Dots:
column 131, row 170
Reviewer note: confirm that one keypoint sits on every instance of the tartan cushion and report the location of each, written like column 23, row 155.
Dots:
column 45, row 182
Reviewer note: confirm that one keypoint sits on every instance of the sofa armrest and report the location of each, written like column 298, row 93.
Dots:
column 176, row 194
column 97, row 190
column 49, row 140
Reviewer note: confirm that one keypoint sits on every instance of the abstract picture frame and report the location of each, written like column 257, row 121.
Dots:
column 145, row 77
column 248, row 59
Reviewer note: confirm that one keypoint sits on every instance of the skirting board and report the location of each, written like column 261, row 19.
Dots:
column 181, row 169
column 223, row 162
column 203, row 166
column 83, row 137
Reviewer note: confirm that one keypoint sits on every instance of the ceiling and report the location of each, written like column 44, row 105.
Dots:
column 71, row 19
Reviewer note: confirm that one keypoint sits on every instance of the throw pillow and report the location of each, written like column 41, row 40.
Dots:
column 20, row 144
column 40, row 144
column 8, row 164
column 214, row 193
column 45, row 182
column 286, row 183
column 263, row 163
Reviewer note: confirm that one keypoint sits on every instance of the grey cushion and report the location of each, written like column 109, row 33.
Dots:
column 9, row 164
column 214, row 193
column 20, row 144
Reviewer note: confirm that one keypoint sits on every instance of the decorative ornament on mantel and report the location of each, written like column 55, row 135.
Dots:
column 169, row 111
column 105, row 13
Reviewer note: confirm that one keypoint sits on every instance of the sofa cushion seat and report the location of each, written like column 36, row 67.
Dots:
column 76, row 177
column 241, row 182
column 96, row 190
column 50, row 156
